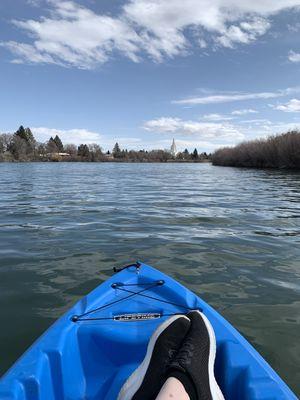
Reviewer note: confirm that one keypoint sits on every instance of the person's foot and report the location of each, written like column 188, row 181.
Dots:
column 146, row 381
column 194, row 363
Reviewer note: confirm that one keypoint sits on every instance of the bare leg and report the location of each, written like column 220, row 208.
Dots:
column 172, row 390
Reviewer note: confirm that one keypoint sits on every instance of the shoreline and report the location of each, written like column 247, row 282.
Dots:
column 108, row 161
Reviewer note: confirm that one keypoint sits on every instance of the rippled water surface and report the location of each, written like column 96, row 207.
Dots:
column 230, row 235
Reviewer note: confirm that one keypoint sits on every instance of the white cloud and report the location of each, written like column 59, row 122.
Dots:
column 267, row 128
column 244, row 111
column 281, row 127
column 209, row 136
column 225, row 98
column 216, row 117
column 75, row 136
column 74, row 35
column 202, row 43
column 259, row 121
column 206, row 136
column 85, row 136
column 244, row 33
column 27, row 53
column 124, row 142
column 291, row 106
column 294, row 57
column 203, row 130
column 235, row 96
column 294, row 27
column 33, row 3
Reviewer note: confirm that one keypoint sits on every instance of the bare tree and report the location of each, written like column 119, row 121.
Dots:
column 95, row 152
column 18, row 148
column 281, row 151
column 71, row 149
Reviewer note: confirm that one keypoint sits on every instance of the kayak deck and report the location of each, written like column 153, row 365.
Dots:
column 90, row 356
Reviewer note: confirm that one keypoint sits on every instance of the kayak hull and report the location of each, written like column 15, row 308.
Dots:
column 90, row 356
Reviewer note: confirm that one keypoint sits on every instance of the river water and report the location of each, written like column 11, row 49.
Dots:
column 230, row 235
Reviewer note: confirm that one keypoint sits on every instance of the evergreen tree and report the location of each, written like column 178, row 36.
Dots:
column 116, row 150
column 195, row 154
column 51, row 146
column 59, row 144
column 186, row 154
column 23, row 144
column 29, row 136
column 25, row 134
column 21, row 132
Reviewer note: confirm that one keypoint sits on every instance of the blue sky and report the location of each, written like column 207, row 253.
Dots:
column 207, row 72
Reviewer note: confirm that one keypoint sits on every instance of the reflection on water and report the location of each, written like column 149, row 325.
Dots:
column 231, row 235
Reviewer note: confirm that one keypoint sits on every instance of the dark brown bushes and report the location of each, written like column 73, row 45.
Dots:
column 281, row 151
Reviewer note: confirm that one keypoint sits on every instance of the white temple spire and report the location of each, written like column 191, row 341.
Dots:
column 173, row 149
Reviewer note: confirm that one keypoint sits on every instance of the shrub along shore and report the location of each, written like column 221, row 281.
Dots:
column 280, row 151
column 22, row 146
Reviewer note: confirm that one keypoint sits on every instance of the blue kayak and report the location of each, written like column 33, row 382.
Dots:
column 92, row 349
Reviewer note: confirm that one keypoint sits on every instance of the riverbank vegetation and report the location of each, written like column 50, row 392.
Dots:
column 21, row 146
column 281, row 151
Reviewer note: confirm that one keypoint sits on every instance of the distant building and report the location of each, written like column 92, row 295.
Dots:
column 173, row 149
column 109, row 156
column 64, row 154
column 56, row 154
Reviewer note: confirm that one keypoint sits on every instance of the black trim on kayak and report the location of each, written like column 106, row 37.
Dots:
column 121, row 286
column 137, row 265
column 76, row 318
column 114, row 319
column 161, row 300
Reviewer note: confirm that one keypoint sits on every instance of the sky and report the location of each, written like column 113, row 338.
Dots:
column 209, row 73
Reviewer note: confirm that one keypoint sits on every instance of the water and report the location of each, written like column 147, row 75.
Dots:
column 230, row 235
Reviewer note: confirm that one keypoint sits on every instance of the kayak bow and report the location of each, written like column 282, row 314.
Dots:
column 91, row 350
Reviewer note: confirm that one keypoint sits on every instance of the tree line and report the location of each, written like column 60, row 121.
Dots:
column 22, row 146
column 280, row 151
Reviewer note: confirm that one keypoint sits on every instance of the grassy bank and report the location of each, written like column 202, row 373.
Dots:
column 281, row 151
